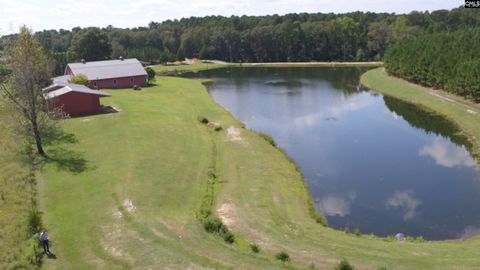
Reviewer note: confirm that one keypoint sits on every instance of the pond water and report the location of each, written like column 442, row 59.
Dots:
column 371, row 162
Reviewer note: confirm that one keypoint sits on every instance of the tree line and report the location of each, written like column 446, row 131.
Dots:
column 352, row 36
column 447, row 60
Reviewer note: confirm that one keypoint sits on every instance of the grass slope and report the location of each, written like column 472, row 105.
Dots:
column 464, row 113
column 126, row 195
column 16, row 193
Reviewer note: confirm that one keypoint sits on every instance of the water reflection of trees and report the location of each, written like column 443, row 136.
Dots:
column 427, row 120
column 344, row 79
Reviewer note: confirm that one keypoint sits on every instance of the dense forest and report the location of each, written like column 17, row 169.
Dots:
column 447, row 60
column 292, row 37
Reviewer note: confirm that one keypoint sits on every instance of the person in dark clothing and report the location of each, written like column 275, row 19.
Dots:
column 44, row 241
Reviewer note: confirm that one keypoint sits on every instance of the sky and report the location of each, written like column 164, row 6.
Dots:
column 57, row 14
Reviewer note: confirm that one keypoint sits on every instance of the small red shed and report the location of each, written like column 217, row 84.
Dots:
column 74, row 99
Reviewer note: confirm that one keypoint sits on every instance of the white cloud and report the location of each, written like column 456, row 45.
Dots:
column 447, row 154
column 336, row 205
column 470, row 231
column 50, row 14
column 406, row 201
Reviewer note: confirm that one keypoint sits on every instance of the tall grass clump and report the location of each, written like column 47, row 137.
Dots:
column 202, row 119
column 211, row 223
column 282, row 256
column 254, row 248
column 268, row 138
column 344, row 265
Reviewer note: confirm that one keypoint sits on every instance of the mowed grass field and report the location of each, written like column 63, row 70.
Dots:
column 126, row 191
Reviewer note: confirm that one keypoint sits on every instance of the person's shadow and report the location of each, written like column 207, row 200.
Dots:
column 51, row 256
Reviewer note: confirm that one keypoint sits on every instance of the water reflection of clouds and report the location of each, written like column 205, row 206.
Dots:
column 336, row 205
column 334, row 110
column 405, row 201
column 470, row 231
column 447, row 154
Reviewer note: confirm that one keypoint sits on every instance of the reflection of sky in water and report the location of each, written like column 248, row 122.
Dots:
column 447, row 154
column 405, row 201
column 365, row 165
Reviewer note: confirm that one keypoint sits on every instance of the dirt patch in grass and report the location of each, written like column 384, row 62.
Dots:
column 117, row 214
column 112, row 242
column 226, row 212
column 128, row 205
column 233, row 134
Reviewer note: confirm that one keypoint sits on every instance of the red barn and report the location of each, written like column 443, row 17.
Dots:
column 75, row 99
column 120, row 73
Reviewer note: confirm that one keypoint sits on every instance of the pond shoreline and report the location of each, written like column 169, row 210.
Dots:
column 233, row 111
column 461, row 112
column 208, row 65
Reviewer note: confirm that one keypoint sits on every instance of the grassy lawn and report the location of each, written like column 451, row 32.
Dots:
column 464, row 113
column 126, row 191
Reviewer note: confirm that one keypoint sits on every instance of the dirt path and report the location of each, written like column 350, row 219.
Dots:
column 469, row 106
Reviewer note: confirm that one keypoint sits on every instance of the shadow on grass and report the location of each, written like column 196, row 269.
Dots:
column 67, row 160
column 63, row 158
column 58, row 136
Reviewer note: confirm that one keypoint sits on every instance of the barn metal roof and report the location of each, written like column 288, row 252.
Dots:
column 62, row 79
column 75, row 88
column 109, row 69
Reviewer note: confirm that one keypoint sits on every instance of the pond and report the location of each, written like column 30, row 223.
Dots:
column 371, row 162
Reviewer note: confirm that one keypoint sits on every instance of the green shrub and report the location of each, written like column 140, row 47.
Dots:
column 211, row 174
column 80, row 79
column 419, row 239
column 382, row 268
column 213, row 225
column 150, row 74
column 346, row 230
column 34, row 221
column 357, row 232
column 344, row 265
column 282, row 256
column 267, row 138
column 228, row 237
column 255, row 248
column 389, row 238
column 207, row 82
column 218, row 128
column 319, row 218
column 202, row 119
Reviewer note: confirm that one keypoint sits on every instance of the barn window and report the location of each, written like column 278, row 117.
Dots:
column 131, row 80
column 95, row 84
column 114, row 82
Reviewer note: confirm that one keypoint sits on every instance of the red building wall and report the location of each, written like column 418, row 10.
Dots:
column 124, row 82
column 77, row 103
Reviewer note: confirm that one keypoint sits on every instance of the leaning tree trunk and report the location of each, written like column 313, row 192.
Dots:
column 38, row 138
